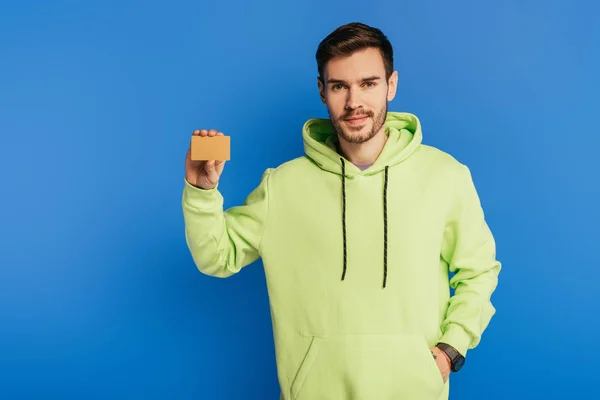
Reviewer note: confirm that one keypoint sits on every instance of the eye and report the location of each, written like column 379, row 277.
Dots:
column 370, row 84
column 337, row 86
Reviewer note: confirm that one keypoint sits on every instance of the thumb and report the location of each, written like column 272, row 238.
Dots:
column 211, row 171
column 219, row 165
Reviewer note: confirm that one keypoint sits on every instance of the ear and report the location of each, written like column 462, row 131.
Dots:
column 392, row 86
column 321, row 90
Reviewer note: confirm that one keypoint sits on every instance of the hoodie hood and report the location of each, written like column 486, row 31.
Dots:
column 321, row 139
column 320, row 144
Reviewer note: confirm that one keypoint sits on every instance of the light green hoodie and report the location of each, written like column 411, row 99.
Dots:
column 357, row 263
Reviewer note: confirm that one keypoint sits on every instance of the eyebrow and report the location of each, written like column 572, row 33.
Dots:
column 369, row 78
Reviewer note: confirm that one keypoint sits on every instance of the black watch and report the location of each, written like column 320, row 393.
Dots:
column 457, row 360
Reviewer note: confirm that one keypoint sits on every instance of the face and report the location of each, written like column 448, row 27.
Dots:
column 356, row 94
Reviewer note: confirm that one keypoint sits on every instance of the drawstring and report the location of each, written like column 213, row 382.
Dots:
column 344, row 214
column 385, row 227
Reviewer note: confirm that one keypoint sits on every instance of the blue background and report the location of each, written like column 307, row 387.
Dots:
column 99, row 296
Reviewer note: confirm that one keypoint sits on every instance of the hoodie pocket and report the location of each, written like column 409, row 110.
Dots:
column 368, row 367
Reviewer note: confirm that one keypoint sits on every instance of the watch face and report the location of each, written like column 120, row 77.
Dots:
column 459, row 363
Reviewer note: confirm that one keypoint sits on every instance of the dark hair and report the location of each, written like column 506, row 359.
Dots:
column 350, row 38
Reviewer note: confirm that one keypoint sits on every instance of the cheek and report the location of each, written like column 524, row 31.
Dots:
column 373, row 100
column 378, row 98
column 336, row 107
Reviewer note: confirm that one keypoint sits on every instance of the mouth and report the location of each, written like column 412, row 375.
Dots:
column 356, row 120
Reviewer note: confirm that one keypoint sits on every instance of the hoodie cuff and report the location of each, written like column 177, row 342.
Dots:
column 456, row 337
column 204, row 199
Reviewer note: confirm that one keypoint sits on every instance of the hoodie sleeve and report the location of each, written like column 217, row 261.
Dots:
column 470, row 251
column 223, row 242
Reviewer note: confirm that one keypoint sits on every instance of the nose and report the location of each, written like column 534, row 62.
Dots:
column 353, row 99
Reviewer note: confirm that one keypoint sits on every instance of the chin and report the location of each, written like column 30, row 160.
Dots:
column 359, row 134
column 356, row 138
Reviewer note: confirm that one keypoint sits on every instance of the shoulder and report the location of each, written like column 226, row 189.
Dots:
column 439, row 156
column 291, row 175
column 295, row 166
column 439, row 160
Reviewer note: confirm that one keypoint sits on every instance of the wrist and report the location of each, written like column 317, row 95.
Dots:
column 455, row 359
column 201, row 198
column 196, row 185
column 446, row 357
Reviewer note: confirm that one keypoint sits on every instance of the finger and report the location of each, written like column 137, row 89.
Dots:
column 196, row 132
column 212, row 132
column 203, row 132
column 220, row 134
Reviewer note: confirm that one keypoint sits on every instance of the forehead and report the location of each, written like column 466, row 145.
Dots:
column 362, row 63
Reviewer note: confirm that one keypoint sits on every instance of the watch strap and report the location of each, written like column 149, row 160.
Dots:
column 456, row 359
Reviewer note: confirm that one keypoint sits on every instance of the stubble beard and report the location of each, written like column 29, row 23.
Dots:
column 352, row 134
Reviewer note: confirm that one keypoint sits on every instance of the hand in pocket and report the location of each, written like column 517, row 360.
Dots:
column 442, row 361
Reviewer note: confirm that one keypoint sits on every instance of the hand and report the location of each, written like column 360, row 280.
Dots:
column 203, row 174
column 443, row 362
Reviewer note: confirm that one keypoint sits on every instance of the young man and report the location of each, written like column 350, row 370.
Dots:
column 359, row 239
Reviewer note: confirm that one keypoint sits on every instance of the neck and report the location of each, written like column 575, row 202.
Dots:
column 364, row 153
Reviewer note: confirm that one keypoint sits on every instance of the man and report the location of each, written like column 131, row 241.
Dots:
column 361, row 239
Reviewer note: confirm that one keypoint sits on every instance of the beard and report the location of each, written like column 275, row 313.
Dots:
column 354, row 134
